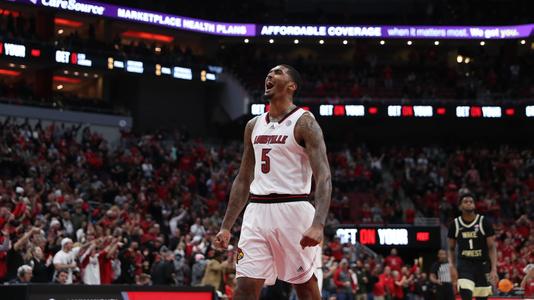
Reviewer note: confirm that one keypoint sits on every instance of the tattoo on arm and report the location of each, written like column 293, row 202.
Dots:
column 241, row 186
column 308, row 131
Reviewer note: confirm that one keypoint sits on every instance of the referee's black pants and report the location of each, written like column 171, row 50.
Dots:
column 444, row 291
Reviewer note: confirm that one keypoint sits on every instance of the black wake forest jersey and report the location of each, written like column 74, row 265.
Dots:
column 471, row 237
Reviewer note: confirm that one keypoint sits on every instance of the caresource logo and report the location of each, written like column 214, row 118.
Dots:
column 73, row 5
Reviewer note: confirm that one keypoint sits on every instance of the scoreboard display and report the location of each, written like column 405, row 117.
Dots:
column 391, row 236
column 397, row 111
column 31, row 52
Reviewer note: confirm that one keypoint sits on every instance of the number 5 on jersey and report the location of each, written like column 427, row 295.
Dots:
column 265, row 161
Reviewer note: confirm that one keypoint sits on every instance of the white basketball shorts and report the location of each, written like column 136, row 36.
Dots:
column 269, row 245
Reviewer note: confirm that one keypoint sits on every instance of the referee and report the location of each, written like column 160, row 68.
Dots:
column 440, row 275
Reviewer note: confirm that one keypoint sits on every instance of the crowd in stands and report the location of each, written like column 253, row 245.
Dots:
column 18, row 91
column 408, row 73
column 120, row 47
column 430, row 177
column 70, row 202
column 77, row 209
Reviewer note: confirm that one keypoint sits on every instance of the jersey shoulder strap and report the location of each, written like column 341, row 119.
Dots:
column 296, row 114
column 257, row 124
column 481, row 225
column 456, row 227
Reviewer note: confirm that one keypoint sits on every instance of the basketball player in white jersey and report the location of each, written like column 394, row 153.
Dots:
column 281, row 230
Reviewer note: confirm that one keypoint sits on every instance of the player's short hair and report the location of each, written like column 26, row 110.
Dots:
column 294, row 74
column 465, row 195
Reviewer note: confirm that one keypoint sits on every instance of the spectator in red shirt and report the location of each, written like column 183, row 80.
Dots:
column 104, row 259
column 409, row 216
column 379, row 291
column 5, row 245
column 523, row 226
column 376, row 288
column 398, row 289
column 337, row 250
column 387, row 281
column 60, row 173
column 394, row 261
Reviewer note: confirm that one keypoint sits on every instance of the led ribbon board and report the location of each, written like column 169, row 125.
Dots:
column 438, row 111
column 11, row 49
column 73, row 58
column 144, row 16
column 390, row 32
column 249, row 30
column 399, row 236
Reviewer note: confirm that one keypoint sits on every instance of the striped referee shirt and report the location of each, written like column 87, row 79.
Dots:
column 442, row 271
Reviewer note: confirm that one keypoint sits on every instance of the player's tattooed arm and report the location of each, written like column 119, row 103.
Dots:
column 241, row 186
column 308, row 133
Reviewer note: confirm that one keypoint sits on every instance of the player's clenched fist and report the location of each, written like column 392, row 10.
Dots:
column 312, row 237
column 222, row 239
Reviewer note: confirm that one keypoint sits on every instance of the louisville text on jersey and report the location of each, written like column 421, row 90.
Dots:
column 270, row 139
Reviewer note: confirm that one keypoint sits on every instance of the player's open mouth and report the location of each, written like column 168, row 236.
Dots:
column 269, row 85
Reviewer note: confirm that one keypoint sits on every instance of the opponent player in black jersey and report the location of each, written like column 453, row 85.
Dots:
column 474, row 265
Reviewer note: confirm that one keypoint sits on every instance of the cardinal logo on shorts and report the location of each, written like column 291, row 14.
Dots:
column 240, row 254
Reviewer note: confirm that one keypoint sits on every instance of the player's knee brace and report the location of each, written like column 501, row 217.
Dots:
column 466, row 294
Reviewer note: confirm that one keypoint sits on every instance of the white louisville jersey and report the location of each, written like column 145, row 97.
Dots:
column 282, row 166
